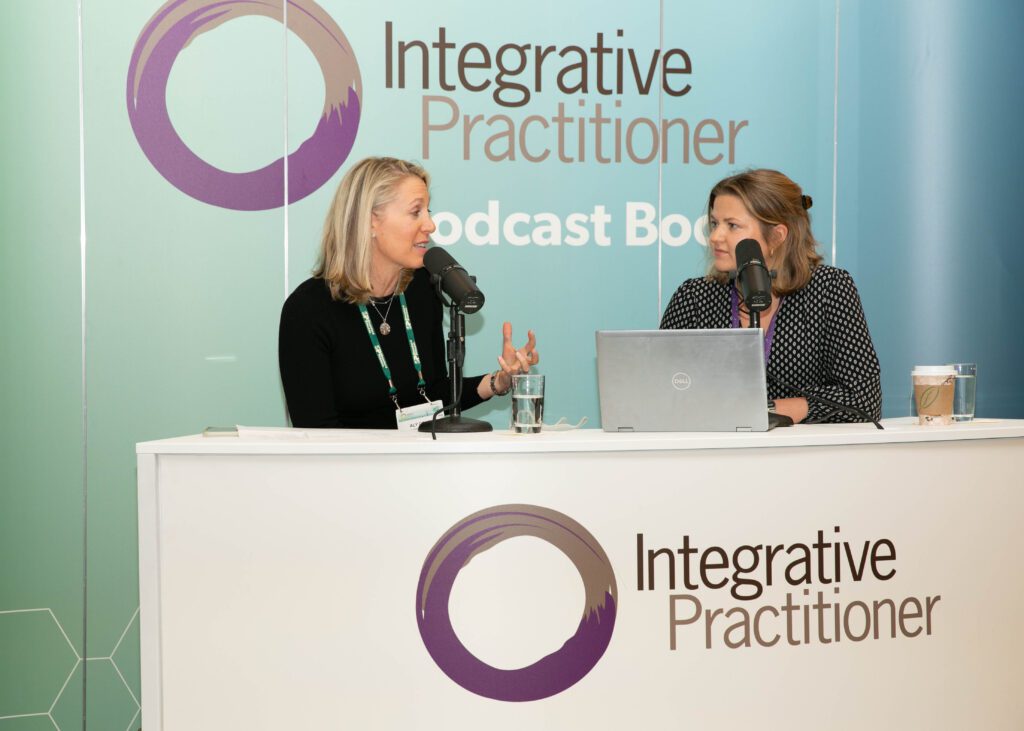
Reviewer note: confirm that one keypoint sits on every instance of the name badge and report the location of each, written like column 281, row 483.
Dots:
column 410, row 418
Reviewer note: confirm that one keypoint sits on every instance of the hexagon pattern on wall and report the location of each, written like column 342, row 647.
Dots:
column 40, row 662
column 39, row 659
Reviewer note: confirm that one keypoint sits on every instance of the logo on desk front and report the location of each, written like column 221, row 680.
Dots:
column 480, row 532
column 176, row 24
column 681, row 381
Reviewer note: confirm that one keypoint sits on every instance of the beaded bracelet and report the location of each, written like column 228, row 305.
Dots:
column 494, row 385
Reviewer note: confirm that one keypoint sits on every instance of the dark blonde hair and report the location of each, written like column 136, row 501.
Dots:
column 773, row 199
column 345, row 248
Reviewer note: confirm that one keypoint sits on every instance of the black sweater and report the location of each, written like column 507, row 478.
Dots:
column 821, row 344
column 329, row 370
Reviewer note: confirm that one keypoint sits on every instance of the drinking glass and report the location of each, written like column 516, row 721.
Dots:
column 964, row 391
column 527, row 403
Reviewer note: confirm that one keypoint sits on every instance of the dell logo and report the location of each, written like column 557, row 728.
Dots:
column 681, row 381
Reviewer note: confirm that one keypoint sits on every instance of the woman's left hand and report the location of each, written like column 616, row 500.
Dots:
column 514, row 361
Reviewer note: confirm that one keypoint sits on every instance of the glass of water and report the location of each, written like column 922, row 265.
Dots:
column 527, row 403
column 964, row 391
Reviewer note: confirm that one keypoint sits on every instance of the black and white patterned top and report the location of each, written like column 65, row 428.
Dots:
column 821, row 342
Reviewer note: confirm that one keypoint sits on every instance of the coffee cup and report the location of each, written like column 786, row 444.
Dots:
column 933, row 394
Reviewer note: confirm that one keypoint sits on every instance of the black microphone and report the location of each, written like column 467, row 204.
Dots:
column 753, row 277
column 454, row 280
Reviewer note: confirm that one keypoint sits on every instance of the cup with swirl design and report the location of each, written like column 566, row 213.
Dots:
column 933, row 394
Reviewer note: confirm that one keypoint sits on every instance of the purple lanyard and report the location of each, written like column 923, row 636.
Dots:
column 769, row 334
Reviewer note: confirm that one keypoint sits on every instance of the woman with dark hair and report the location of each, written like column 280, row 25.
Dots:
column 817, row 345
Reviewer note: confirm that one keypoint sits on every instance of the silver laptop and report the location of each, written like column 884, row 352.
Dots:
column 682, row 380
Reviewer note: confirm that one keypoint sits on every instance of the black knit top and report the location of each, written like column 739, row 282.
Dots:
column 821, row 343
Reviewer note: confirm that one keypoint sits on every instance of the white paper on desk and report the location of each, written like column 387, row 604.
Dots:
column 271, row 432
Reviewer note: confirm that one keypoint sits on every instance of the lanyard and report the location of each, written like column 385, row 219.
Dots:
column 769, row 334
column 392, row 391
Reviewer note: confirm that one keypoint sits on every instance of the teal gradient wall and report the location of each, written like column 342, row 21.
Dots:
column 930, row 159
column 42, row 542
column 131, row 311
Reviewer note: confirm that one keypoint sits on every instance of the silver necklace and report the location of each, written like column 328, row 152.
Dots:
column 384, row 328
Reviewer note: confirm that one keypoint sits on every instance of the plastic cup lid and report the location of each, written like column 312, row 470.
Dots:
column 934, row 370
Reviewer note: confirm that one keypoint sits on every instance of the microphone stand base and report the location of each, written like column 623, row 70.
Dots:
column 456, row 425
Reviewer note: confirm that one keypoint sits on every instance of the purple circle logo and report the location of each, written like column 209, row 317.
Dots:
column 484, row 530
column 173, row 27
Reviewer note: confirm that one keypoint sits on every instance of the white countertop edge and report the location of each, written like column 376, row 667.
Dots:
column 337, row 441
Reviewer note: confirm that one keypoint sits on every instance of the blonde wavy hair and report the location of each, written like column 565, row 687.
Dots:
column 773, row 199
column 346, row 248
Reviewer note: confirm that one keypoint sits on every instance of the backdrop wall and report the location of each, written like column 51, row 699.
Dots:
column 929, row 160
column 134, row 308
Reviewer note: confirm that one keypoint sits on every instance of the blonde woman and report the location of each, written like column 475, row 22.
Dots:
column 816, row 337
column 362, row 339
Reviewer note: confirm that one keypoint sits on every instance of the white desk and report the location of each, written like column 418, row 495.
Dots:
column 281, row 579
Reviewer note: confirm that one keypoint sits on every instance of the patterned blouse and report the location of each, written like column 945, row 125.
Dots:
column 821, row 343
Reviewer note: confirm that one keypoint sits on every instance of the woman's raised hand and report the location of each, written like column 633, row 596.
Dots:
column 513, row 360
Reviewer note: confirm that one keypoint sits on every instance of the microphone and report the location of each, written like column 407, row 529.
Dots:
column 753, row 277
column 454, row 280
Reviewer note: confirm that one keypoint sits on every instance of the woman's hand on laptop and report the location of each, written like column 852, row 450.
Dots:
column 794, row 408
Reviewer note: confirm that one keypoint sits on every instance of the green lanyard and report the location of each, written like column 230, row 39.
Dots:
column 392, row 391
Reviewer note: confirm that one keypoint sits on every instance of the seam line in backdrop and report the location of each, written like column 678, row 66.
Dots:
column 82, row 244
column 284, row 23
column 661, row 158
column 835, row 134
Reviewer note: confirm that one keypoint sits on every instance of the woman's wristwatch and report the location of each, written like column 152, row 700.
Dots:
column 494, row 385
column 771, row 402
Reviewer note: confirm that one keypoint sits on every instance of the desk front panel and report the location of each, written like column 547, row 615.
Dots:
column 285, row 589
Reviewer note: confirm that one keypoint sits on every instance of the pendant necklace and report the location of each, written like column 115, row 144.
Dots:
column 384, row 328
